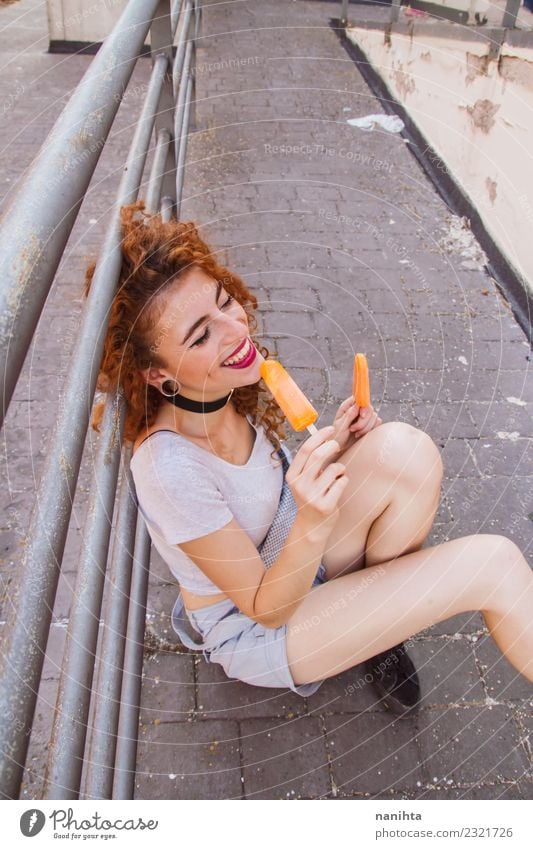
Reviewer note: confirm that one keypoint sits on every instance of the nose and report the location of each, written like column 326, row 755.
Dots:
column 233, row 331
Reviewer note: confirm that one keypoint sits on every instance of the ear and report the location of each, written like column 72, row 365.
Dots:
column 153, row 376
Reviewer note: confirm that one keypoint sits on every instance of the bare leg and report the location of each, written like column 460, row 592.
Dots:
column 347, row 620
column 388, row 507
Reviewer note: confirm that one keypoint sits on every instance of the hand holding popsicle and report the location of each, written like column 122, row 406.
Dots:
column 315, row 481
column 355, row 417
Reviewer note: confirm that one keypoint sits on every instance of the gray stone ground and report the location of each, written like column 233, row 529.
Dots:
column 337, row 231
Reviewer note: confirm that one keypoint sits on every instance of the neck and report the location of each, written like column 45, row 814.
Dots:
column 200, row 425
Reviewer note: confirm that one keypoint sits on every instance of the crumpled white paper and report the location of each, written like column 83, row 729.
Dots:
column 391, row 123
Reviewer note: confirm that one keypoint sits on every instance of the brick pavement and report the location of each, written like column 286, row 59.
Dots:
column 337, row 231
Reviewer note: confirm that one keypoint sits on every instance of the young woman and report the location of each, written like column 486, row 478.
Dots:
column 347, row 581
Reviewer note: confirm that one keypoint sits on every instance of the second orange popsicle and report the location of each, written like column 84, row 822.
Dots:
column 361, row 381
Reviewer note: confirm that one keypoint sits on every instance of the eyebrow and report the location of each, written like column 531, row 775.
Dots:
column 204, row 317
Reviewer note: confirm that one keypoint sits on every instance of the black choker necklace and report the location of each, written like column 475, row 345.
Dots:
column 198, row 406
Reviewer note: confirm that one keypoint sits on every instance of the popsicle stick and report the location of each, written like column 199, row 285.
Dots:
column 312, row 429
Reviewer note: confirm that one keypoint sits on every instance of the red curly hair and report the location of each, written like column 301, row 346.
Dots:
column 154, row 254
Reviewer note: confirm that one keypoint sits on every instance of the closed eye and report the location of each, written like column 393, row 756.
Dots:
column 205, row 336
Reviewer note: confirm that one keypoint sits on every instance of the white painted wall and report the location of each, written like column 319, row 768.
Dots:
column 477, row 115
column 83, row 20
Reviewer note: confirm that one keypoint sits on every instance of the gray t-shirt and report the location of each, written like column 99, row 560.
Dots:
column 185, row 492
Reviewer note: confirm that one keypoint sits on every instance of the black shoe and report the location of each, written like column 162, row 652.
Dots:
column 395, row 679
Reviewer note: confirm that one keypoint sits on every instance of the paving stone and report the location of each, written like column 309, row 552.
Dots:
column 445, row 421
column 407, row 385
column 523, row 717
column 481, row 791
column 509, row 355
column 293, row 300
column 463, row 383
column 348, row 692
column 457, row 457
column 344, row 322
column 168, row 688
column 526, row 789
column 439, row 327
column 496, row 505
column 220, row 696
column 290, row 324
column 500, row 328
column 503, row 456
column 390, row 795
column 502, row 680
column 471, row 745
column 159, row 604
column 159, row 570
column 373, row 752
column 463, row 623
column 500, row 417
column 447, row 671
column 284, row 758
column 516, row 384
column 391, row 301
column 299, row 352
column 394, row 412
column 189, row 760
column 32, row 786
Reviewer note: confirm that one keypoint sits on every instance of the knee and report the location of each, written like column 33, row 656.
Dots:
column 500, row 558
column 505, row 553
column 410, row 454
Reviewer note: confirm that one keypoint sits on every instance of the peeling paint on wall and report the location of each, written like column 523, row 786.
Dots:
column 517, row 70
column 491, row 185
column 476, row 66
column 404, row 81
column 478, row 129
column 482, row 114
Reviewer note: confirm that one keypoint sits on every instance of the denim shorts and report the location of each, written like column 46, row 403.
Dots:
column 246, row 650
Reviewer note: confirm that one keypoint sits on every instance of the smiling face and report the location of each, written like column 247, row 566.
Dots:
column 202, row 327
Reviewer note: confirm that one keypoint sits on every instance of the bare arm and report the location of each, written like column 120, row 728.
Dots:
column 230, row 560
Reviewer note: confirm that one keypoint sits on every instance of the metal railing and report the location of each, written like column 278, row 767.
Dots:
column 35, row 230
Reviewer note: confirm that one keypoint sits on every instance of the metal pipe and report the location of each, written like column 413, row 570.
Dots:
column 130, row 699
column 38, row 222
column 161, row 40
column 167, row 208
column 99, row 778
column 175, row 11
column 34, row 594
column 509, row 16
column 186, row 19
column 155, row 183
column 183, row 149
column 344, row 12
column 193, row 117
column 395, row 11
column 67, row 743
column 181, row 104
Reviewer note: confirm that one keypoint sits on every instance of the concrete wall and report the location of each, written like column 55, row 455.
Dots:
column 477, row 114
column 83, row 20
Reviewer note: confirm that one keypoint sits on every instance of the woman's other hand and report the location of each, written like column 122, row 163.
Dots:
column 352, row 422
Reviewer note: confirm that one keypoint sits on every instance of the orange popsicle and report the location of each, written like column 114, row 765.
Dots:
column 361, row 383
column 299, row 411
